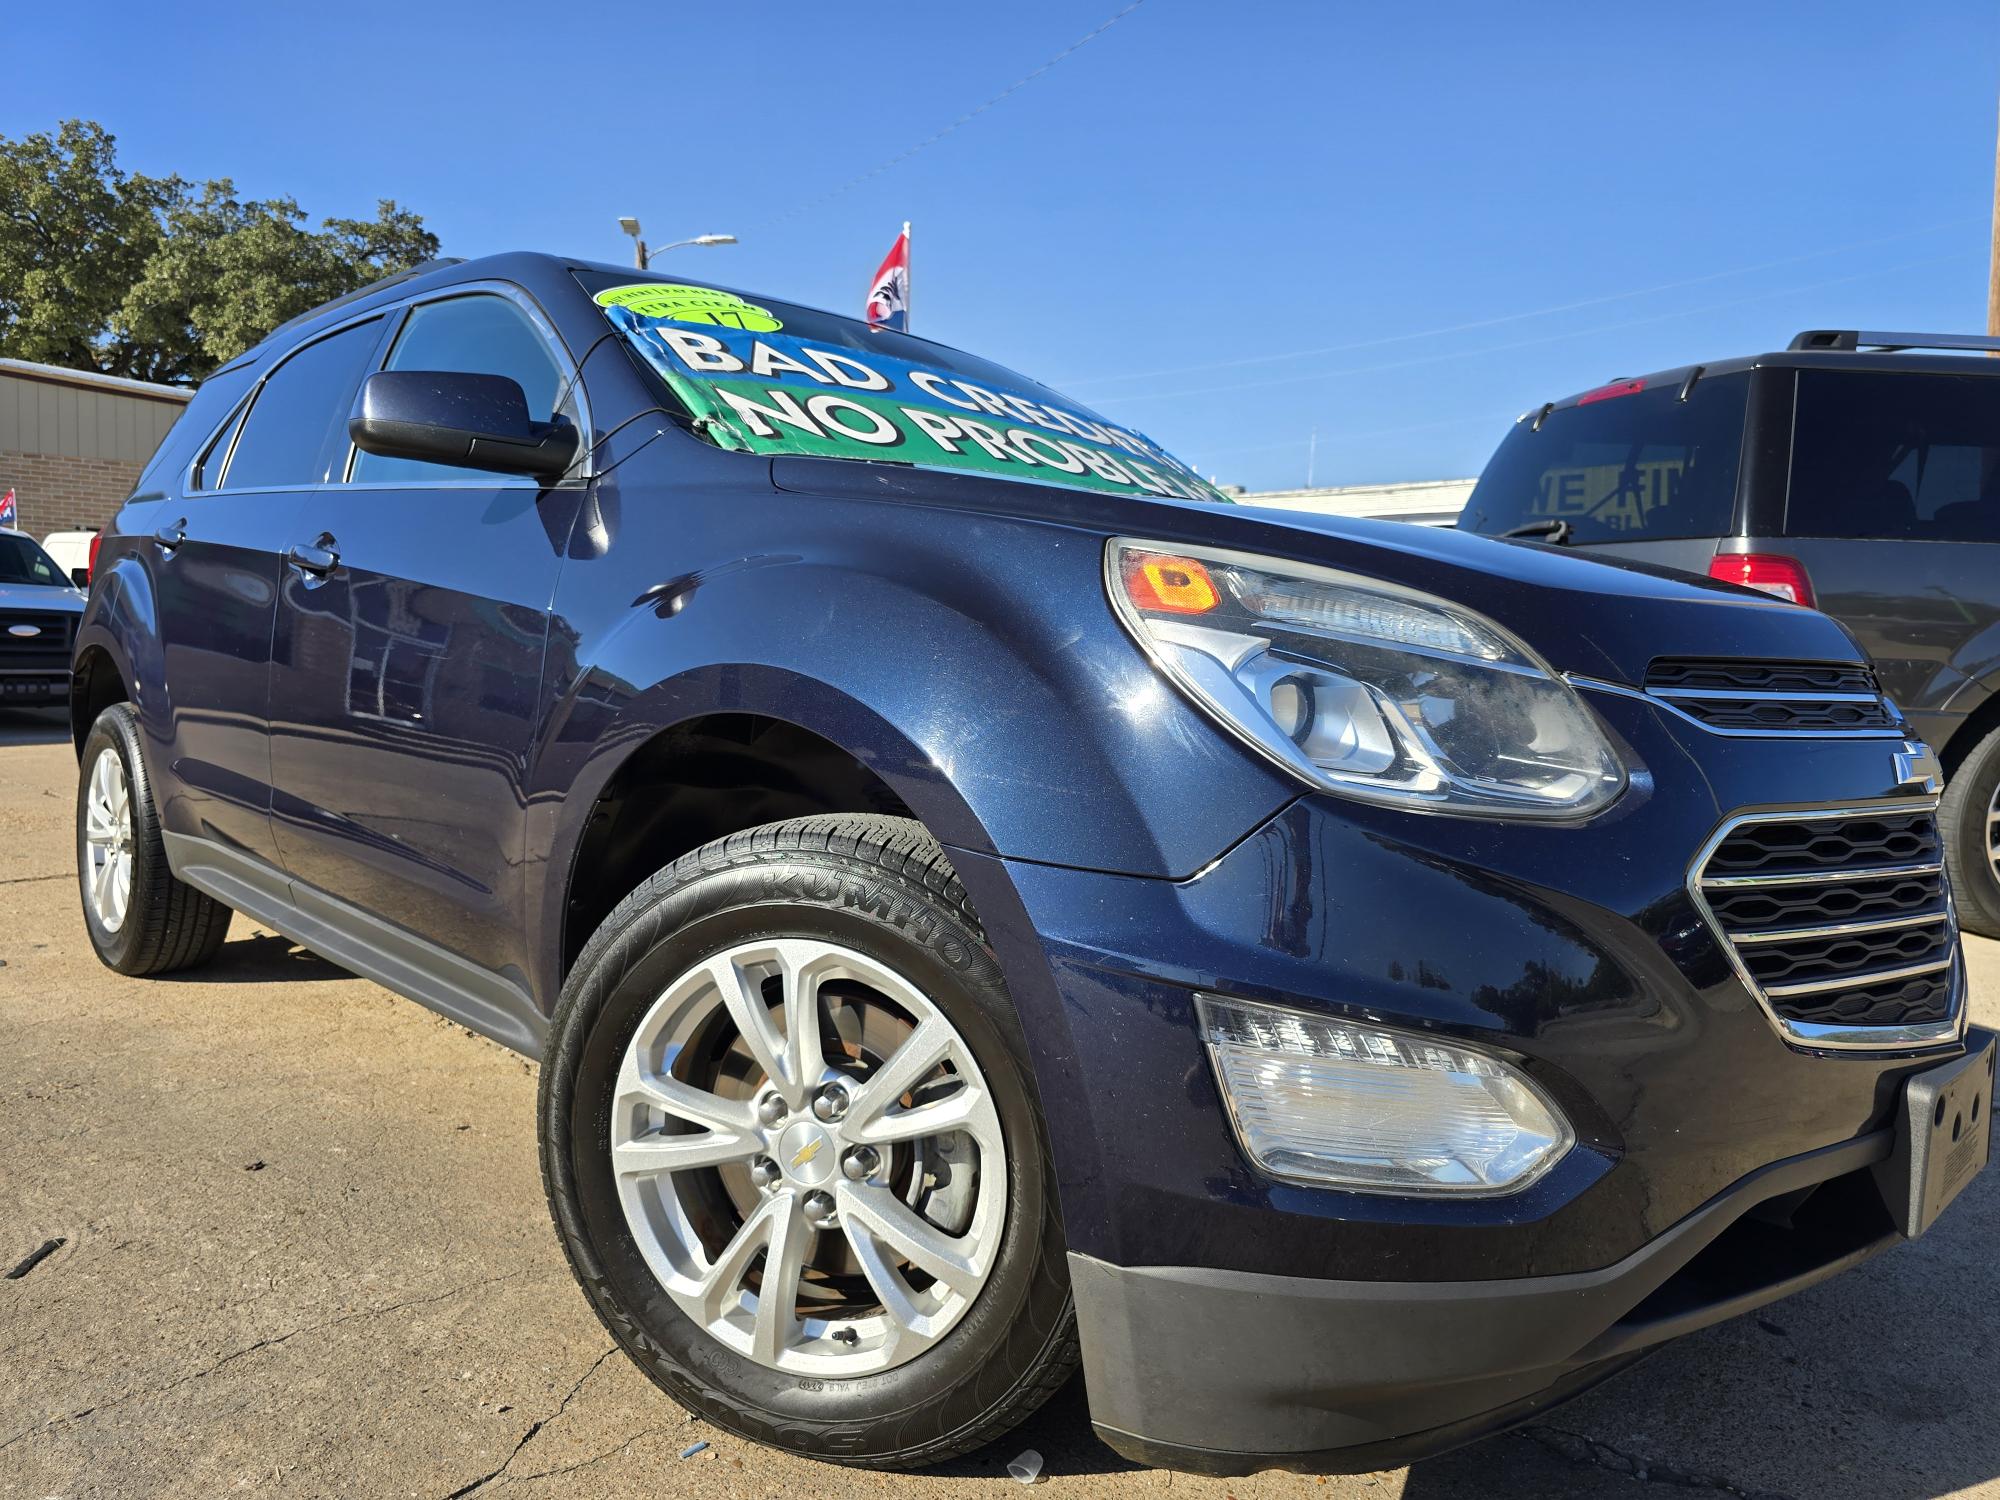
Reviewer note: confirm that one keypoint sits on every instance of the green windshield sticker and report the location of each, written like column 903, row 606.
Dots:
column 782, row 394
column 690, row 304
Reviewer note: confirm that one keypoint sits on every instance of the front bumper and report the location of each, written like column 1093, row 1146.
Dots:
column 1231, row 1321
column 1226, row 1372
column 17, row 688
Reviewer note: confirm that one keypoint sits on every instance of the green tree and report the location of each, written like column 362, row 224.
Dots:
column 156, row 278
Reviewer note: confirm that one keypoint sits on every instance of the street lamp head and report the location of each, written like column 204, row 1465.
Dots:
column 630, row 226
column 714, row 239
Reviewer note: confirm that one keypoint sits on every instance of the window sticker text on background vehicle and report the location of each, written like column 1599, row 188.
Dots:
column 767, row 392
column 1622, row 496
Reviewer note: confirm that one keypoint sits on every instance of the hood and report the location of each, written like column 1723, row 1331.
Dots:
column 42, row 596
column 1592, row 616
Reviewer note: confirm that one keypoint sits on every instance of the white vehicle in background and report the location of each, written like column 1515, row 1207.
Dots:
column 71, row 550
column 1422, row 502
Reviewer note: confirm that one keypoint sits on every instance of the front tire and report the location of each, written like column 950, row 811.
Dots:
column 1969, row 814
column 788, row 1061
column 141, row 918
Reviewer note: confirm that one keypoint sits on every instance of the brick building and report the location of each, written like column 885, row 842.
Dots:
column 72, row 443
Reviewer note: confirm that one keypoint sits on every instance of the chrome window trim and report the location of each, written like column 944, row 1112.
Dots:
column 1817, row 1036
column 567, row 369
column 240, row 414
column 393, row 314
column 1894, row 731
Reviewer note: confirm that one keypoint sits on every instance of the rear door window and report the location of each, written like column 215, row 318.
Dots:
column 1644, row 466
column 1895, row 456
column 288, row 438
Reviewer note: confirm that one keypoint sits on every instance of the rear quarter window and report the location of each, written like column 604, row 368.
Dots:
column 1895, row 456
column 1642, row 467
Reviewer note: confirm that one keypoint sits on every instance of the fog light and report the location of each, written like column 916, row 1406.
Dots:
column 1332, row 1103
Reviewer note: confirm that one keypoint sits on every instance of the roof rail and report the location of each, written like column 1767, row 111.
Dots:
column 374, row 286
column 1846, row 341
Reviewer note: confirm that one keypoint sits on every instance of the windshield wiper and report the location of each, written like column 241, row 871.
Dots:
column 1555, row 531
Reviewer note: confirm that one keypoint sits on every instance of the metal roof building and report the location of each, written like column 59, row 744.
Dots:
column 72, row 442
column 1428, row 502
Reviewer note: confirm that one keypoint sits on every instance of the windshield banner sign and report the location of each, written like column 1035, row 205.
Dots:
column 770, row 392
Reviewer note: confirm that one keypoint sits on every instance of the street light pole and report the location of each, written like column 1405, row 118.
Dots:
column 700, row 239
column 1993, row 265
column 643, row 258
column 631, row 227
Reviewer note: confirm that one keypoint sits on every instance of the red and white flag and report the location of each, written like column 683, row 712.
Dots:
column 889, row 295
column 9, row 516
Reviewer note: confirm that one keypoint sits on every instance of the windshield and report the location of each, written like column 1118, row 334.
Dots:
column 21, row 561
column 768, row 377
column 1646, row 466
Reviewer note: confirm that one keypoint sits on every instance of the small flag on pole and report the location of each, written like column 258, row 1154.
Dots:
column 889, row 296
column 9, row 516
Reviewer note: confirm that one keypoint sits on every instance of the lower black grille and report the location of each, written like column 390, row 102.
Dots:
column 45, row 650
column 1838, row 920
column 1774, row 697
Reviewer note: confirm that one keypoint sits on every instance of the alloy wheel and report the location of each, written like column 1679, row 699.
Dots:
column 1993, row 832
column 808, row 1158
column 107, row 833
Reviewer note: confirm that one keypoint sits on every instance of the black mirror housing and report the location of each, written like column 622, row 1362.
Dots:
column 455, row 417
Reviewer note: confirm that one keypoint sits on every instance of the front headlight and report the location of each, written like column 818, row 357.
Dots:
column 1365, row 688
column 1338, row 1104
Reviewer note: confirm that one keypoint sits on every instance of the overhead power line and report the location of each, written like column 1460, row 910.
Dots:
column 1539, row 312
column 970, row 115
column 1553, row 338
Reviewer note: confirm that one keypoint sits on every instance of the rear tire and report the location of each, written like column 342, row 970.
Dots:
column 839, row 896
column 141, row 919
column 1966, row 815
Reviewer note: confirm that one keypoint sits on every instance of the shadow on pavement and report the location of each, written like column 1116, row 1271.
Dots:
column 1060, row 1432
column 263, row 959
column 34, row 726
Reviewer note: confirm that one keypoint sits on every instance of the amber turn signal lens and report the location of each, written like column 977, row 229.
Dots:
column 1162, row 584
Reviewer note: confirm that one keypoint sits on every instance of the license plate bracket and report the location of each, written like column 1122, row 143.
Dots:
column 1944, row 1136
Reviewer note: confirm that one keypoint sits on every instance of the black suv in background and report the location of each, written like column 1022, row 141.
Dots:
column 1851, row 473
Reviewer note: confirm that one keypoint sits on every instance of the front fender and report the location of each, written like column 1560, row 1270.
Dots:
column 972, row 663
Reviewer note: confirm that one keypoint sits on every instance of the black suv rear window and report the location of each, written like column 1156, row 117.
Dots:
column 1639, row 467
column 1915, row 457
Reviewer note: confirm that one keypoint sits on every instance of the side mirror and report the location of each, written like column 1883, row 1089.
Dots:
column 80, row 577
column 451, row 417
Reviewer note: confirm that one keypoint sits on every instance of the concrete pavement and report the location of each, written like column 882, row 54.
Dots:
column 305, row 1253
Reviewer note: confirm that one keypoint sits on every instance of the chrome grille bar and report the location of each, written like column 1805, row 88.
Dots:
column 1835, row 929
column 1884, row 965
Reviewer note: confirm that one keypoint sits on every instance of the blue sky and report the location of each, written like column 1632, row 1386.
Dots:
column 1226, row 224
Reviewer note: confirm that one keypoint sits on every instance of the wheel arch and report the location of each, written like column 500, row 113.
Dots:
column 697, row 780
column 1973, row 728
column 660, row 783
column 116, row 658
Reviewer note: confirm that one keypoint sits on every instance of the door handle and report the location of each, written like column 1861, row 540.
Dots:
column 315, row 561
column 170, row 536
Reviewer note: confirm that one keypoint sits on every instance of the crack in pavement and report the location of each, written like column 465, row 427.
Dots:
column 1589, row 1452
column 533, row 1428
column 267, row 1343
column 33, row 879
column 587, row 1462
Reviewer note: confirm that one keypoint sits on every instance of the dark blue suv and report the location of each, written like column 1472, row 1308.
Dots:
column 983, row 903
